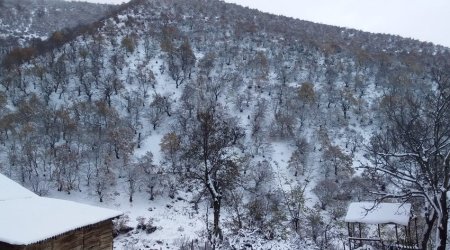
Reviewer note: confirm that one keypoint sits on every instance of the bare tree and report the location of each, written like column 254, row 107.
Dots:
column 170, row 147
column 413, row 151
column 67, row 166
column 211, row 150
column 326, row 191
column 206, row 64
column 346, row 100
column 334, row 159
column 133, row 176
column 187, row 58
column 299, row 158
column 104, row 181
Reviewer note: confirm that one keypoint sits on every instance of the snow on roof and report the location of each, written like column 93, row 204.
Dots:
column 27, row 218
column 9, row 189
column 381, row 213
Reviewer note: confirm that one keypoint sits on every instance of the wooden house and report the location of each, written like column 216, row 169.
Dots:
column 28, row 221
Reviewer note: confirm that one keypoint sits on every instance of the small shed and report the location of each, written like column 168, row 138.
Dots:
column 396, row 215
column 29, row 221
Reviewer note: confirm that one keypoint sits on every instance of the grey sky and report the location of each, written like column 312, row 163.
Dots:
column 425, row 20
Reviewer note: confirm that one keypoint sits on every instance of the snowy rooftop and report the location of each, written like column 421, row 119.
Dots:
column 9, row 190
column 381, row 213
column 27, row 218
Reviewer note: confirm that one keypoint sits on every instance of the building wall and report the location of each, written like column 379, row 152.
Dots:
column 98, row 237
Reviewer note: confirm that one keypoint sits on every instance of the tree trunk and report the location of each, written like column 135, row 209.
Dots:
column 139, row 140
column 152, row 197
column 430, row 223
column 216, row 207
column 443, row 222
column 116, row 150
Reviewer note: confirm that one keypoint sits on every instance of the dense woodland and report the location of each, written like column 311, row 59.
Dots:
column 28, row 22
column 224, row 89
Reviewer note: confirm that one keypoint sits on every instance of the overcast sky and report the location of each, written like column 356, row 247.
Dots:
column 425, row 20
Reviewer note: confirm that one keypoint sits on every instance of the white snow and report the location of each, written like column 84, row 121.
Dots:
column 381, row 213
column 9, row 190
column 26, row 218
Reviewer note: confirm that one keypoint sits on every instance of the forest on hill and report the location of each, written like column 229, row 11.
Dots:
column 28, row 22
column 255, row 130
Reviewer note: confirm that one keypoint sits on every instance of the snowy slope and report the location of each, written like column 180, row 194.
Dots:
column 99, row 72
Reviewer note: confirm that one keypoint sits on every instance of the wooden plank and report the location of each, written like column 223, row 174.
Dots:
column 71, row 241
column 98, row 236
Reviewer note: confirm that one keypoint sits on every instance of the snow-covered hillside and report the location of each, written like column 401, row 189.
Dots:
column 208, row 123
column 26, row 22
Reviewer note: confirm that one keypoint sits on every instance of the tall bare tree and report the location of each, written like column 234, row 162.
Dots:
column 212, row 154
column 413, row 151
